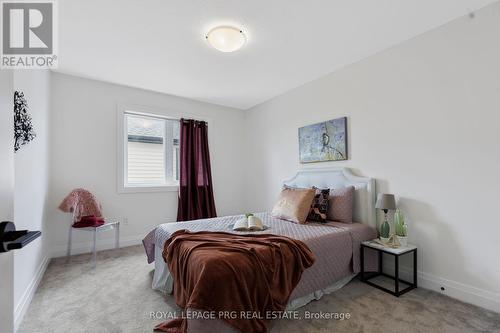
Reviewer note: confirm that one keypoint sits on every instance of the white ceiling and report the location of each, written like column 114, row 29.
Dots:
column 159, row 44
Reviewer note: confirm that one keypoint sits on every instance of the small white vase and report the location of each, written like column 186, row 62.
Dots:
column 384, row 240
column 403, row 241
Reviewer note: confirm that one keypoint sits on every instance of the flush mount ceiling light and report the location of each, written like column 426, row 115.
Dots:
column 226, row 38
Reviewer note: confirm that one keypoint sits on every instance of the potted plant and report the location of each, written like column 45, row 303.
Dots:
column 401, row 228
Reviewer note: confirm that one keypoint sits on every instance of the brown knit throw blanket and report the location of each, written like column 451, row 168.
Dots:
column 218, row 271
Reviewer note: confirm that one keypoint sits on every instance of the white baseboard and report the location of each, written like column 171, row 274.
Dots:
column 463, row 292
column 102, row 244
column 28, row 294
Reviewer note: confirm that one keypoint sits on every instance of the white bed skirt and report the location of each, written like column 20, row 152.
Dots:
column 162, row 280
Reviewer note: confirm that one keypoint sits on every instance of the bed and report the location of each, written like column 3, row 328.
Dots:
column 335, row 245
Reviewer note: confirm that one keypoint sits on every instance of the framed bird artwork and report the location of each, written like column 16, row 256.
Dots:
column 326, row 141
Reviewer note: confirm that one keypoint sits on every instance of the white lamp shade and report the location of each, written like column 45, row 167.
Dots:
column 226, row 39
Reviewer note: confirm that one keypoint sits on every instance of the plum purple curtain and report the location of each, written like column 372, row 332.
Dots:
column 196, row 197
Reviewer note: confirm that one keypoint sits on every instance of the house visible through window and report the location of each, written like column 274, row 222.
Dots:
column 151, row 150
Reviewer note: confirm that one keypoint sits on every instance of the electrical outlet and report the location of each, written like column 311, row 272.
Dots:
column 125, row 220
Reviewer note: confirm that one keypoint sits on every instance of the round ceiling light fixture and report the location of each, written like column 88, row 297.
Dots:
column 226, row 38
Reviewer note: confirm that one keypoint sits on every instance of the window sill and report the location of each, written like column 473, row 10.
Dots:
column 148, row 189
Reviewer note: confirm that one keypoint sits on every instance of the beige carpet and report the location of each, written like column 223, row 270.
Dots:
column 117, row 297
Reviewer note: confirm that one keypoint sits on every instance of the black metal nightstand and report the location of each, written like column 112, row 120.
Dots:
column 381, row 249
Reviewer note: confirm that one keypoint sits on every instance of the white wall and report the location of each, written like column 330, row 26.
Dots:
column 32, row 188
column 6, row 198
column 424, row 120
column 84, row 154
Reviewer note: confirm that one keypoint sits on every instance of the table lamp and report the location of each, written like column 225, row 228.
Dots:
column 385, row 202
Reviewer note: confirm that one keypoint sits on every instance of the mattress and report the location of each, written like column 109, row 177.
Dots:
column 336, row 247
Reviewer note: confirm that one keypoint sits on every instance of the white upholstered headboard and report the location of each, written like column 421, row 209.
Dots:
column 364, row 194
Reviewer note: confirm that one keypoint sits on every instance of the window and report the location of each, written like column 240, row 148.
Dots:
column 150, row 151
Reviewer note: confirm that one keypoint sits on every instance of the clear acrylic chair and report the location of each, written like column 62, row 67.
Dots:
column 108, row 225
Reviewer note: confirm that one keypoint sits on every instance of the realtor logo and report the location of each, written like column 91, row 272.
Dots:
column 28, row 34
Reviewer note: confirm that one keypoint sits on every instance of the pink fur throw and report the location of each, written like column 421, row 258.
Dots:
column 81, row 202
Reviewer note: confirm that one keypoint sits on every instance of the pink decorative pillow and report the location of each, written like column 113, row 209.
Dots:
column 294, row 204
column 341, row 204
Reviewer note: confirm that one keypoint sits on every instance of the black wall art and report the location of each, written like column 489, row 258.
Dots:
column 23, row 128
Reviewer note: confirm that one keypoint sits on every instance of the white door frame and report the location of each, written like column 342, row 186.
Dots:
column 7, row 292
column 6, row 197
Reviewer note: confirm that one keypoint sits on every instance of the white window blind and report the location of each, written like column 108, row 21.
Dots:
column 151, row 150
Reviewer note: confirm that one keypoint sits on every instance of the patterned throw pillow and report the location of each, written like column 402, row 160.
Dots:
column 319, row 207
column 341, row 204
